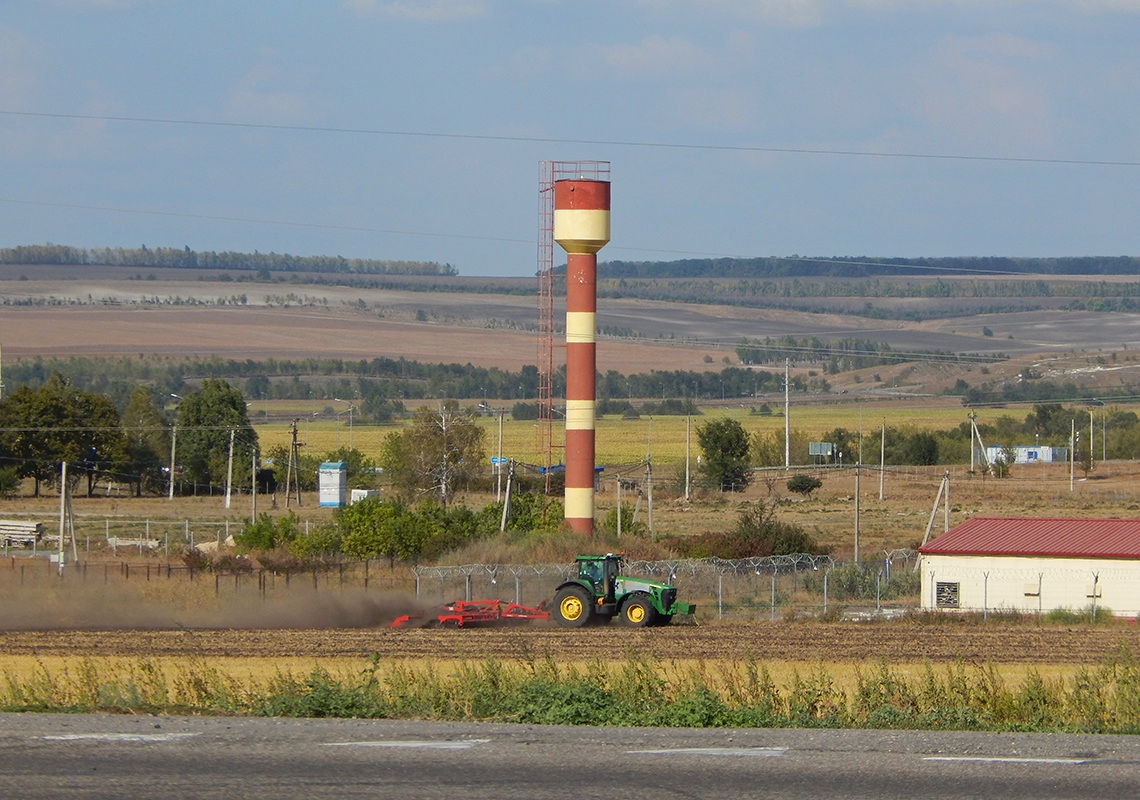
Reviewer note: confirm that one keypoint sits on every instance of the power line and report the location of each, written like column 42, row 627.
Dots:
column 557, row 140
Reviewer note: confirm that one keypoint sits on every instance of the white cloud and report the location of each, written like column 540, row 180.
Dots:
column 979, row 91
column 714, row 109
column 421, row 10
column 656, row 56
column 782, row 13
column 255, row 93
column 18, row 77
column 809, row 13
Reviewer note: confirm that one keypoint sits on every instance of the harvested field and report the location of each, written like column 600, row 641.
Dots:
column 798, row 642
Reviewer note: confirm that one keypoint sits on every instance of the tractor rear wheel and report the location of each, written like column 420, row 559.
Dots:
column 572, row 607
column 638, row 612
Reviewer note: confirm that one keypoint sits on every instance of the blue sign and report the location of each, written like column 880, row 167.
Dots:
column 495, row 460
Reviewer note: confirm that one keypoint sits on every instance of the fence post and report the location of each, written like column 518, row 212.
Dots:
column 720, row 595
column 773, row 615
column 825, row 574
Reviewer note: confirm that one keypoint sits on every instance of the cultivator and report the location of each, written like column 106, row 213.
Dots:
column 472, row 614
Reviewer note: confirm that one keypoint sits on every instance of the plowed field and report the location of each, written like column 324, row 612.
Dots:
column 799, row 642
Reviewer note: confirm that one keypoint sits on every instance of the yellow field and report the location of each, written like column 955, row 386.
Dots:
column 622, row 441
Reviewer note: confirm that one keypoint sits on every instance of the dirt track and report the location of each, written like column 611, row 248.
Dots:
column 897, row 643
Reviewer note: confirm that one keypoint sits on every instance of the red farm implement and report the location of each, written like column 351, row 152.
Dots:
column 471, row 614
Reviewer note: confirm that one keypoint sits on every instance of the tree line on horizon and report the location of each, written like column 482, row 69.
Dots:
column 185, row 258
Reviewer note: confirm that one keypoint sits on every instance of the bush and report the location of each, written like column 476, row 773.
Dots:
column 757, row 533
column 804, row 484
column 268, row 533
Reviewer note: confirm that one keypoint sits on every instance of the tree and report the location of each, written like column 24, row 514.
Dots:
column 147, row 433
column 442, row 448
column 372, row 528
column 724, row 448
column 921, row 449
column 804, row 484
column 205, row 419
column 57, row 423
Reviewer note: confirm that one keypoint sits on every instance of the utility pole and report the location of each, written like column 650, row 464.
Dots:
column 499, row 465
column 688, row 419
column 649, row 493
column 787, row 416
column 230, row 470
column 253, row 485
column 1072, row 451
column 173, row 441
column 291, row 475
column 62, row 511
column 882, row 457
column 857, row 465
column 619, row 506
column 1092, row 450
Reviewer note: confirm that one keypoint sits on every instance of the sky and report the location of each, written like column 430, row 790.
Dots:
column 414, row 129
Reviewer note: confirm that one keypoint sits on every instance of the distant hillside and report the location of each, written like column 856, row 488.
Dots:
column 186, row 258
column 864, row 267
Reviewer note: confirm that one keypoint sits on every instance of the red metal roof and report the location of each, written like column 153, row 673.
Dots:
column 1040, row 536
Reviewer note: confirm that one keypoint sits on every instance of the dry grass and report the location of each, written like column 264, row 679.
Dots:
column 253, row 673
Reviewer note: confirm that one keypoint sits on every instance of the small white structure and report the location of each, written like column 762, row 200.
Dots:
column 1029, row 454
column 1033, row 565
column 333, row 483
column 356, row 495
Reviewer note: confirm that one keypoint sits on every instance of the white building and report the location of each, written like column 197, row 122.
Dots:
column 1033, row 565
column 1029, row 454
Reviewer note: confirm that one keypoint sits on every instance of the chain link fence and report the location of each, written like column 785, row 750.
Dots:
column 121, row 550
column 776, row 587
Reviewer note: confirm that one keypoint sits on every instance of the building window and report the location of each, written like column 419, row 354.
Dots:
column 946, row 595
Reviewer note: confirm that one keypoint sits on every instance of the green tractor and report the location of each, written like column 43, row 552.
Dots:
column 599, row 594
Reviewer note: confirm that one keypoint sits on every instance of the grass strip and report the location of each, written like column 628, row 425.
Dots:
column 635, row 691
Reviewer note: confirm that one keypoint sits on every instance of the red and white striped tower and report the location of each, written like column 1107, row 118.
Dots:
column 582, row 228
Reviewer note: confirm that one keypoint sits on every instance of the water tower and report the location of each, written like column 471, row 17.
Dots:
column 581, row 228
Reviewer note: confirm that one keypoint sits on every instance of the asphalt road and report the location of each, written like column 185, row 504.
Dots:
column 97, row 756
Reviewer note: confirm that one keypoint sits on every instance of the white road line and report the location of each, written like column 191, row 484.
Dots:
column 465, row 744
column 1013, row 759
column 761, row 752
column 117, row 737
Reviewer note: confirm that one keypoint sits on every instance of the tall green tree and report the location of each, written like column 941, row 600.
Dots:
column 205, row 419
column 724, row 454
column 147, row 432
column 58, row 422
column 441, row 449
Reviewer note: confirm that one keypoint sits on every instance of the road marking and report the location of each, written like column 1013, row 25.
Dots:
column 118, row 737
column 761, row 752
column 427, row 745
column 1013, row 759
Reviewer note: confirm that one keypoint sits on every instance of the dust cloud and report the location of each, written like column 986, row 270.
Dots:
column 91, row 607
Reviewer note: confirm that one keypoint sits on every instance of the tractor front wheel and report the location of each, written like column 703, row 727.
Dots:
column 572, row 607
column 638, row 611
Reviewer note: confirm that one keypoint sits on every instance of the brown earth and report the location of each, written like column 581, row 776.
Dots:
column 794, row 642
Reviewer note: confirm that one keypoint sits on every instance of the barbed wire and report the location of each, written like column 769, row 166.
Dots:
column 670, row 568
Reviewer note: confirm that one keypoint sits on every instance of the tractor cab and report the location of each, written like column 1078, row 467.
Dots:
column 600, row 572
